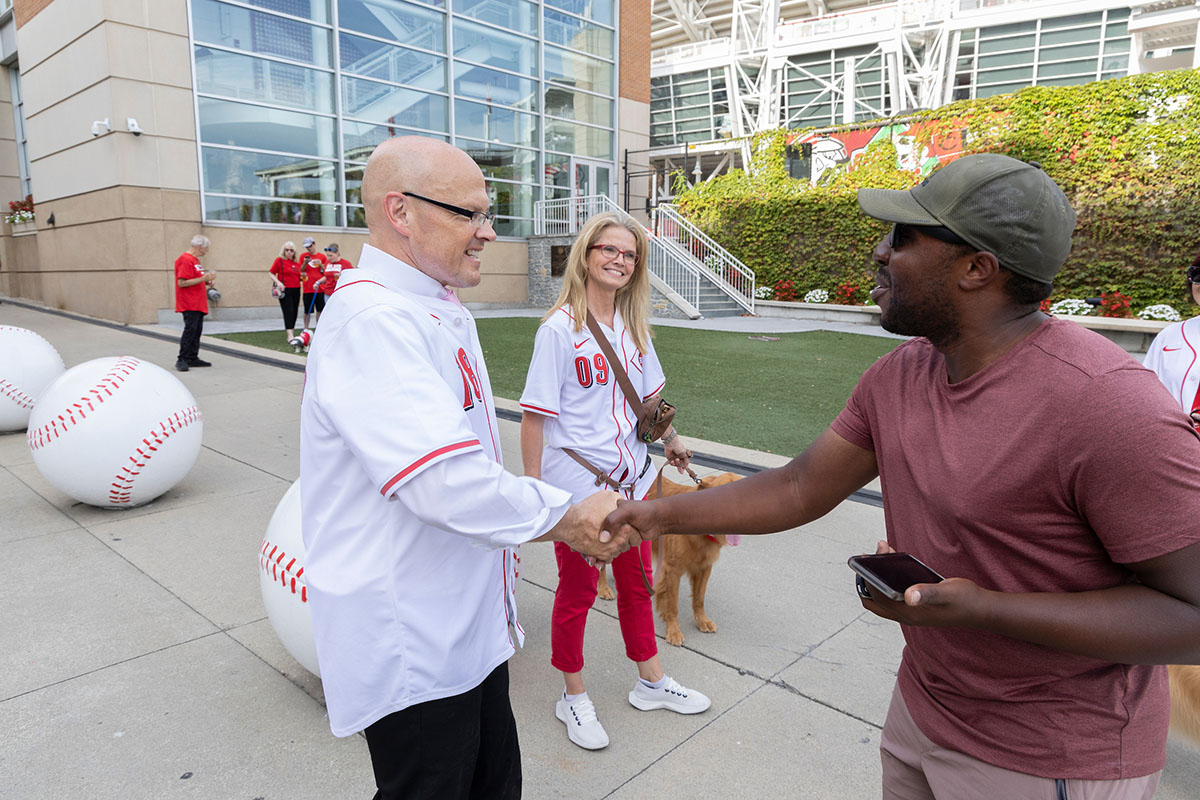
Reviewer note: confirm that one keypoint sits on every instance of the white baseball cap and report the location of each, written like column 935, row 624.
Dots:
column 308, row 240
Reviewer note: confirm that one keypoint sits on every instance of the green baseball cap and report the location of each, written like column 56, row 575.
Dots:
column 1007, row 207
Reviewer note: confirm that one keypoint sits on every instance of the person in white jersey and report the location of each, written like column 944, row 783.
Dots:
column 573, row 400
column 410, row 520
column 1173, row 354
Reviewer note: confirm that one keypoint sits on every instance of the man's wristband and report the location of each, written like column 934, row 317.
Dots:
column 671, row 436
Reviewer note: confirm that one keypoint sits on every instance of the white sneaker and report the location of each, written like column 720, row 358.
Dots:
column 670, row 696
column 583, row 727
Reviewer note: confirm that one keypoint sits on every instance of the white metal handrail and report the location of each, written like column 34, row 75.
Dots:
column 730, row 274
column 669, row 263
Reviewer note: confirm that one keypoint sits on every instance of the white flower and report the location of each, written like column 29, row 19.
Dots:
column 816, row 296
column 1072, row 306
column 19, row 216
column 763, row 293
column 1161, row 312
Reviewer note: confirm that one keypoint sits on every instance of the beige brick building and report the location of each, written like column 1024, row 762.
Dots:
column 255, row 117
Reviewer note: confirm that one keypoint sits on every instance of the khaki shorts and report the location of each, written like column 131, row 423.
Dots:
column 914, row 768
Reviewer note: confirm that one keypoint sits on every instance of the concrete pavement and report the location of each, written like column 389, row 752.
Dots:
column 136, row 660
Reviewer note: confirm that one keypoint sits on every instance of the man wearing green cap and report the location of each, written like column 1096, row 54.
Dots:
column 1038, row 467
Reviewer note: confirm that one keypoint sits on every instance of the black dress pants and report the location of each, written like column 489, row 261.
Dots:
column 189, row 342
column 458, row 748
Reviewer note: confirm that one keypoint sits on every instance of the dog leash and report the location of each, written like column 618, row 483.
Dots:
column 658, row 485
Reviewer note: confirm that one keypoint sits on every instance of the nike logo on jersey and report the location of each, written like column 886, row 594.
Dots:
column 1171, row 349
column 581, row 344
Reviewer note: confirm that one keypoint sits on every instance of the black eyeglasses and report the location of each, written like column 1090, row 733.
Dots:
column 478, row 218
column 902, row 234
column 630, row 257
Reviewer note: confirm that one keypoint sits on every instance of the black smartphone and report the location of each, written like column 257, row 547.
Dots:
column 892, row 573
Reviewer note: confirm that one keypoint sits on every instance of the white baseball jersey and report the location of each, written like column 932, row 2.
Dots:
column 1172, row 357
column 409, row 516
column 570, row 382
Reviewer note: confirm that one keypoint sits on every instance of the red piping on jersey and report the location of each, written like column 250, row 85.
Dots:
column 425, row 459
column 620, row 440
column 487, row 412
column 656, row 391
column 545, row 411
column 1196, row 400
column 341, row 286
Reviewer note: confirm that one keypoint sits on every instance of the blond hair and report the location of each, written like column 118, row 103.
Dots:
column 633, row 299
column 286, row 245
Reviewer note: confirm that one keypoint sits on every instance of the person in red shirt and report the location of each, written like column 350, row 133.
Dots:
column 333, row 271
column 285, row 285
column 313, row 264
column 191, row 300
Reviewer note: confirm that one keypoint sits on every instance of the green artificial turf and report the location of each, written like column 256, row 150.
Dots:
column 774, row 396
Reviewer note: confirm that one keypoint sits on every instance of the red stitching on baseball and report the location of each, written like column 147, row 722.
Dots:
column 9, row 390
column 44, row 435
column 16, row 395
column 273, row 566
column 122, row 492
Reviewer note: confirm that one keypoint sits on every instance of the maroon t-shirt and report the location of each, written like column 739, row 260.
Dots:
column 1044, row 472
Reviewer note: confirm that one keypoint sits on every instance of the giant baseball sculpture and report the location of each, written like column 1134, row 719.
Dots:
column 281, row 578
column 28, row 364
column 115, row 432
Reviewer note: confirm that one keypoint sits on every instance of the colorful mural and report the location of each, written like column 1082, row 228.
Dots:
column 837, row 150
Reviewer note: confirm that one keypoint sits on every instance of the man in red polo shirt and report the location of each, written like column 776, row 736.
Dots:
column 191, row 300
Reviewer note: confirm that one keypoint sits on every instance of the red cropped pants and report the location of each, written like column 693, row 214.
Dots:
column 576, row 593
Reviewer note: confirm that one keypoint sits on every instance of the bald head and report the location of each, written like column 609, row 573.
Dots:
column 420, row 229
column 413, row 163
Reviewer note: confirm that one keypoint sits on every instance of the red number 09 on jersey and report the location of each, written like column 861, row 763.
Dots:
column 583, row 370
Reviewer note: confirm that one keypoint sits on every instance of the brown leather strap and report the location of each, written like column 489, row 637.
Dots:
column 601, row 476
column 631, row 395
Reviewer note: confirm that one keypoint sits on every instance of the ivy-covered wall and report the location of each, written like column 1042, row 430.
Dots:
column 1126, row 151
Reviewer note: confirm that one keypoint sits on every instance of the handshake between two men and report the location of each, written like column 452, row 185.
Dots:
column 599, row 527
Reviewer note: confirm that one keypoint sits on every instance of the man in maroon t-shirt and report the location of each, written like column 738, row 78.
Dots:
column 1033, row 463
column 191, row 300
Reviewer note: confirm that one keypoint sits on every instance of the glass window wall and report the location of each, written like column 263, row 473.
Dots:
column 293, row 95
column 678, row 101
column 1057, row 51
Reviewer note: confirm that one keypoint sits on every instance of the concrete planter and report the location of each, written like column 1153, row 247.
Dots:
column 23, row 228
column 1132, row 335
column 826, row 312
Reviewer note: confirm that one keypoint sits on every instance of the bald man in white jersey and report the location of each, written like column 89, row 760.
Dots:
column 410, row 520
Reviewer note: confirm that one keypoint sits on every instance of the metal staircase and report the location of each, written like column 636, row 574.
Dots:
column 689, row 268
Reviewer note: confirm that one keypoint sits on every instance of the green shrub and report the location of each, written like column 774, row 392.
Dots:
column 1126, row 151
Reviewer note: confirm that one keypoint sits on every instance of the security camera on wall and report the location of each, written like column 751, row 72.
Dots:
column 134, row 128
column 101, row 126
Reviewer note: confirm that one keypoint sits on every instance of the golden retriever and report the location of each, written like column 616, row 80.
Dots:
column 1185, row 701
column 690, row 555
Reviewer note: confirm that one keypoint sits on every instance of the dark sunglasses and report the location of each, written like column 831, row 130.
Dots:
column 902, row 234
column 1194, row 273
column 478, row 218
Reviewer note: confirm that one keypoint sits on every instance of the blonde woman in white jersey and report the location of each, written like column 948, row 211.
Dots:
column 1175, row 354
column 572, row 400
